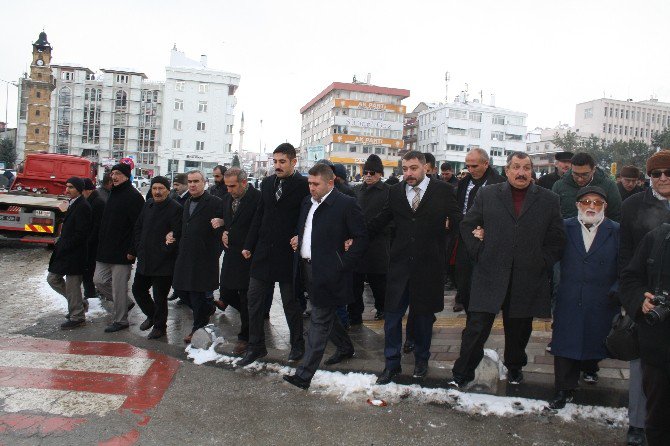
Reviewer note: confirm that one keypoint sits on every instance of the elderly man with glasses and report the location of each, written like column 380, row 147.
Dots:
column 585, row 304
column 584, row 172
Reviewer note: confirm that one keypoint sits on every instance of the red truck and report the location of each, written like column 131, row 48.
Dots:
column 31, row 210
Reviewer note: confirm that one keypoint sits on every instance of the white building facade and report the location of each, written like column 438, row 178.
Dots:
column 450, row 131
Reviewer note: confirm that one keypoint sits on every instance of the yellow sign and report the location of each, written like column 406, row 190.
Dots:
column 352, row 103
column 337, row 159
column 613, row 168
column 368, row 140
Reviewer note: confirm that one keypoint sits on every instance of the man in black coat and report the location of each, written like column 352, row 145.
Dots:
column 328, row 219
column 371, row 196
column 180, row 189
column 196, row 271
column 239, row 208
column 447, row 174
column 514, row 234
column 627, row 184
column 219, row 188
column 268, row 246
column 646, row 275
column 155, row 258
column 423, row 210
column 114, row 260
column 98, row 208
column 480, row 174
column 562, row 162
column 69, row 256
column 640, row 214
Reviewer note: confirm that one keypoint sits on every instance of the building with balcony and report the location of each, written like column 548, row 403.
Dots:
column 347, row 122
column 541, row 148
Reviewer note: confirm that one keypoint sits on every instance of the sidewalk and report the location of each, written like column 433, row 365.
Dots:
column 611, row 390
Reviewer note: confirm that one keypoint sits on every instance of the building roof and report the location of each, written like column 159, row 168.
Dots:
column 363, row 88
column 72, row 66
column 123, row 71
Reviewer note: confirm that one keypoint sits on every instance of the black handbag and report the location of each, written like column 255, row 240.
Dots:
column 622, row 342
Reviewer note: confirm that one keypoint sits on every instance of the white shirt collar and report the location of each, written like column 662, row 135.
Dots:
column 423, row 185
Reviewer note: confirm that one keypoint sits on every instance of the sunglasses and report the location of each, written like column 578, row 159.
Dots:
column 369, row 172
column 596, row 203
column 658, row 173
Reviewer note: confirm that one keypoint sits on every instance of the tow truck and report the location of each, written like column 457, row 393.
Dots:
column 33, row 208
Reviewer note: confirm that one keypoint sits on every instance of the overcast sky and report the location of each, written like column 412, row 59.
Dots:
column 540, row 57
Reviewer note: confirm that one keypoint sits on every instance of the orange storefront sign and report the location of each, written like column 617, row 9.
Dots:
column 361, row 161
column 368, row 140
column 352, row 103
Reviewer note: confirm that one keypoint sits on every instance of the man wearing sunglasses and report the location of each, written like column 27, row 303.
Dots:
column 584, row 172
column 640, row 214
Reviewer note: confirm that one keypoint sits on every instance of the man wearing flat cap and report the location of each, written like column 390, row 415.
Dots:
column 586, row 303
column 563, row 161
column 630, row 175
column 114, row 260
column 69, row 256
column 97, row 204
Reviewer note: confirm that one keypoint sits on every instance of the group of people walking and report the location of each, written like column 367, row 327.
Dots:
column 565, row 245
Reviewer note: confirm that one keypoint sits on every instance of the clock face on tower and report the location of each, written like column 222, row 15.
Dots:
column 40, row 62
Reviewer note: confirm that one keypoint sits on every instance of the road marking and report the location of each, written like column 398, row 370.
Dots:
column 59, row 402
column 76, row 363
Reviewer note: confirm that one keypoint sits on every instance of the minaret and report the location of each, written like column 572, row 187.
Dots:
column 39, row 88
column 241, row 134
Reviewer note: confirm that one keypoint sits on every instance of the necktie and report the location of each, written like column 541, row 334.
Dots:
column 235, row 205
column 279, row 191
column 417, row 198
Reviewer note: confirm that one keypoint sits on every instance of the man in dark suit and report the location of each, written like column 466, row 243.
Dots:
column 97, row 209
column 328, row 219
column 239, row 208
column 180, row 189
column 423, row 209
column 69, row 256
column 523, row 239
column 196, row 271
column 563, row 162
column 268, row 246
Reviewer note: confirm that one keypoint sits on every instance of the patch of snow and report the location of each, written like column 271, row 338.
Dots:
column 361, row 387
column 54, row 302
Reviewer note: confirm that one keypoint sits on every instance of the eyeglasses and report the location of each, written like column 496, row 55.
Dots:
column 369, row 172
column 582, row 175
column 658, row 173
column 596, row 203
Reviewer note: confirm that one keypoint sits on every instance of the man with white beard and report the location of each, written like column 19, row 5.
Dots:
column 586, row 302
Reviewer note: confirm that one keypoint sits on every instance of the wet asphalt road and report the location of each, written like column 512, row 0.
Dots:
column 217, row 405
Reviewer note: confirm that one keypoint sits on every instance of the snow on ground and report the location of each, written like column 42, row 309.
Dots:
column 54, row 302
column 361, row 387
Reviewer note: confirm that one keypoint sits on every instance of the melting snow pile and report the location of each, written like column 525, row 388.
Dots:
column 361, row 387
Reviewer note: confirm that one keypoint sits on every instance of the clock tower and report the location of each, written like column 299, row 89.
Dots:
column 39, row 87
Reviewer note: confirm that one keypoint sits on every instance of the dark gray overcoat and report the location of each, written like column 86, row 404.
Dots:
column 522, row 249
column 372, row 199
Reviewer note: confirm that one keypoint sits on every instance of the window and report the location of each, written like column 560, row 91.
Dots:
column 497, row 136
column 200, row 145
column 203, row 88
column 520, row 120
column 38, row 94
column 176, row 143
column 201, row 126
column 352, row 149
column 605, row 111
column 379, row 150
column 458, row 114
column 455, row 147
column 512, row 137
column 177, row 124
column 37, row 131
column 627, row 113
column 456, row 131
column 367, row 149
column 91, row 123
column 121, row 99
column 474, row 133
column 588, row 113
column 122, row 78
column 37, row 112
column 202, row 106
column 476, row 116
column 119, row 135
column 178, row 104
column 67, row 75
column 498, row 119
column 179, row 85
column 497, row 151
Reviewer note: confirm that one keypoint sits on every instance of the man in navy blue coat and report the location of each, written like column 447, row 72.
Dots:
column 327, row 220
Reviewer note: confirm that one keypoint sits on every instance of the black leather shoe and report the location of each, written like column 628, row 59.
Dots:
column 408, row 347
column 156, row 333
column 420, row 370
column 147, row 324
column 296, row 353
column 72, row 324
column 251, row 356
column 379, row 315
column 297, row 381
column 514, row 376
column 388, row 375
column 339, row 357
column 561, row 398
column 115, row 327
column 635, row 437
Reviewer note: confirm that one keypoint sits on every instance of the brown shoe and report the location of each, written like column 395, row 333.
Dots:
column 221, row 305
column 240, row 348
column 187, row 339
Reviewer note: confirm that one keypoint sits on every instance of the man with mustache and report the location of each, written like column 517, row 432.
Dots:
column 514, row 234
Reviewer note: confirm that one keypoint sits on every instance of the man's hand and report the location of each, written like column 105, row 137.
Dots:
column 478, row 232
column 348, row 243
column 130, row 257
column 169, row 238
column 217, row 222
column 224, row 238
column 294, row 242
column 246, row 254
column 647, row 306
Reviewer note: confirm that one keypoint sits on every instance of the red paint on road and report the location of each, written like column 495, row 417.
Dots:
column 37, row 424
column 126, row 439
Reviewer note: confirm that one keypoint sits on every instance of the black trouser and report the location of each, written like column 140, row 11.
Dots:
column 89, row 287
column 477, row 330
column 463, row 271
column 377, row 285
column 656, row 384
column 257, row 299
column 201, row 302
column 155, row 308
column 566, row 371
column 238, row 300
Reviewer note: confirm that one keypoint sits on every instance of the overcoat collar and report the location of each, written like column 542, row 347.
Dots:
column 574, row 229
column 532, row 196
